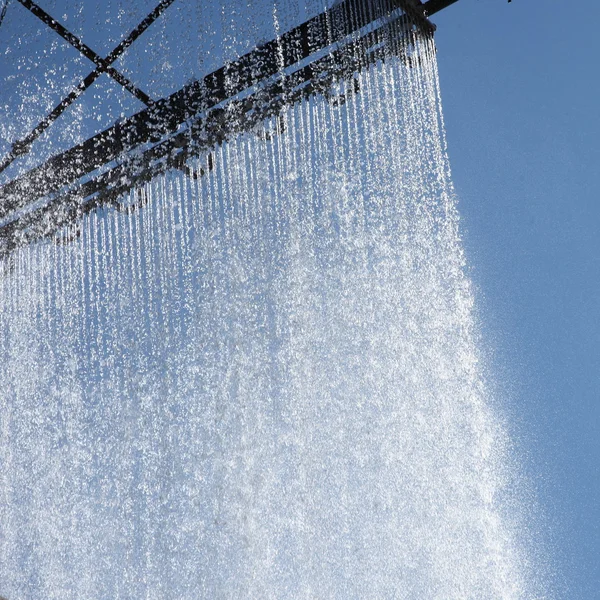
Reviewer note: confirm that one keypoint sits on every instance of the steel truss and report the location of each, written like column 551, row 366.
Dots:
column 333, row 46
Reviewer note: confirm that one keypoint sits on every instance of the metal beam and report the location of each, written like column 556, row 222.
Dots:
column 203, row 135
column 254, row 87
column 434, row 6
column 2, row 15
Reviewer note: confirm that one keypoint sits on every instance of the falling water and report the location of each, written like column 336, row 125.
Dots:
column 260, row 379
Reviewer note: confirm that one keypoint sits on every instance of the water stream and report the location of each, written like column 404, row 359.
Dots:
column 260, row 379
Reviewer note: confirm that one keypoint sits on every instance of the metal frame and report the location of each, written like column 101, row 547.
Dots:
column 103, row 65
column 306, row 60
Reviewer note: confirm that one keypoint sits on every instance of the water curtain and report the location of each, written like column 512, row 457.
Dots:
column 259, row 378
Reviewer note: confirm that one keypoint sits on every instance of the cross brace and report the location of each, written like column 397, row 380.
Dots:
column 103, row 65
column 304, row 61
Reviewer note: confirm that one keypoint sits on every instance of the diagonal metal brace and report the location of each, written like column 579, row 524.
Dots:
column 102, row 64
column 2, row 15
column 21, row 147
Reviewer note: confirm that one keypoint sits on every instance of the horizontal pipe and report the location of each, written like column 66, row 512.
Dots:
column 434, row 6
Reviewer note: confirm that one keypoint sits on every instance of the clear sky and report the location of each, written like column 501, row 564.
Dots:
column 521, row 102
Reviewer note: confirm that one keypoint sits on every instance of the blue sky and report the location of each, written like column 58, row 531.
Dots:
column 520, row 93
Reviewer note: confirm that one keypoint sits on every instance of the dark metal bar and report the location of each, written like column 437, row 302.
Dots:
column 416, row 11
column 434, row 6
column 2, row 15
column 22, row 146
column 135, row 34
column 102, row 64
column 201, row 104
